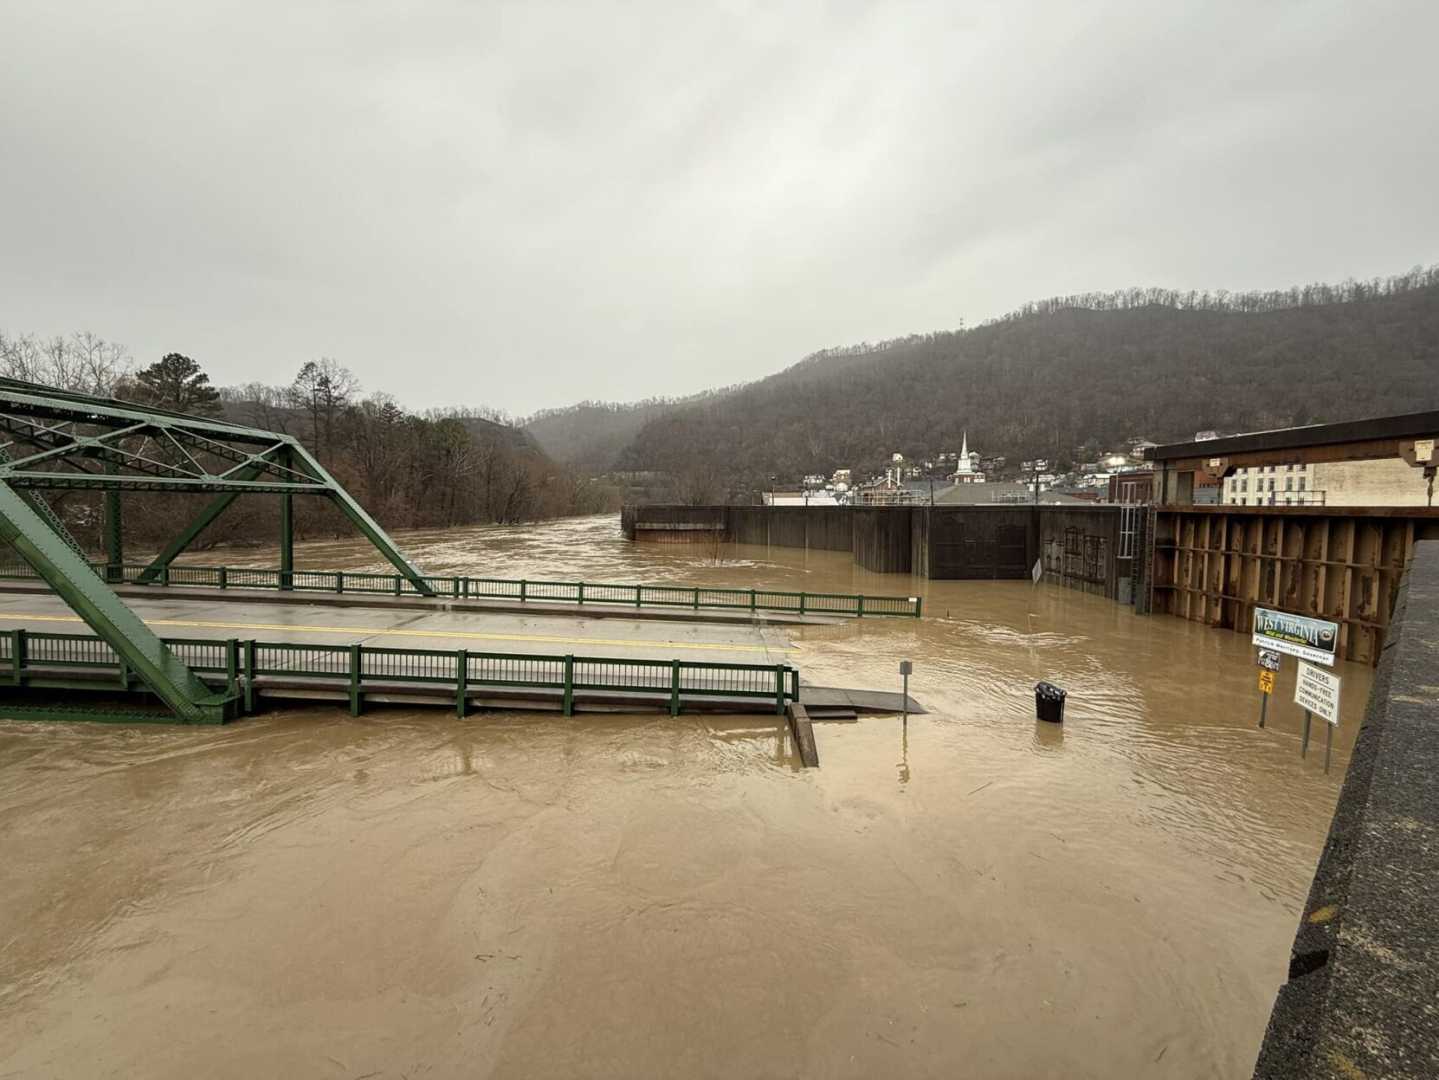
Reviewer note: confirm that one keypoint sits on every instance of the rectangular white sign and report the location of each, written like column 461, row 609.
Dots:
column 1297, row 635
column 1317, row 691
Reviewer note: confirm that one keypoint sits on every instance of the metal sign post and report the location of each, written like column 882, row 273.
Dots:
column 905, row 668
column 1268, row 661
column 1317, row 691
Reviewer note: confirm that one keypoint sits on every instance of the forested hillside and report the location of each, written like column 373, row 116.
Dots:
column 1067, row 373
column 594, row 435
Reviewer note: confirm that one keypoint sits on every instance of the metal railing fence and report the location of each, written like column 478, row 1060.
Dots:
column 24, row 654
column 695, row 597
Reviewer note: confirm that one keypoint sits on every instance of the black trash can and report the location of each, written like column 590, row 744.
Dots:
column 1049, row 702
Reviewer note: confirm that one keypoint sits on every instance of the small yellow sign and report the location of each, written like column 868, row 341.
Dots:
column 1266, row 682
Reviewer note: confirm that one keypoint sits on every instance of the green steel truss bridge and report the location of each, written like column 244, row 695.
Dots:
column 55, row 440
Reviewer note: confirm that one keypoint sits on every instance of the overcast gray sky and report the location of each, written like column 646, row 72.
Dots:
column 524, row 205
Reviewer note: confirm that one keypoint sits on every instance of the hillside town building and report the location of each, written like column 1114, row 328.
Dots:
column 1336, row 483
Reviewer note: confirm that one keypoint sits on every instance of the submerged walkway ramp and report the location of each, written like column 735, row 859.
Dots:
column 252, row 651
column 379, row 624
column 414, row 602
column 677, row 601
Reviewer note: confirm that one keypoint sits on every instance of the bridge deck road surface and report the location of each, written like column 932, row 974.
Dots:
column 408, row 629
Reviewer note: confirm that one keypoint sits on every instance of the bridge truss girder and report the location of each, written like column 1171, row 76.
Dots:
column 52, row 440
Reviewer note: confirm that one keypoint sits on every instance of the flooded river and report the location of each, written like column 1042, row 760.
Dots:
column 519, row 895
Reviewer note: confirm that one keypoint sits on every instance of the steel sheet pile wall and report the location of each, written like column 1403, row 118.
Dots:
column 883, row 539
column 831, row 528
column 824, row 528
column 1215, row 565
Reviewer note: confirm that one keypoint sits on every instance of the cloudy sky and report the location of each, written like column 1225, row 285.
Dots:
column 523, row 205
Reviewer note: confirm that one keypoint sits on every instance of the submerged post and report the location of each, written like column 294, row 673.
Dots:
column 232, row 667
column 905, row 668
column 462, row 676
column 1268, row 661
column 356, row 700
column 250, row 676
column 17, row 656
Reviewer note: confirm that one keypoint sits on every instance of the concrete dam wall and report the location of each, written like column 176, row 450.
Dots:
column 1079, row 546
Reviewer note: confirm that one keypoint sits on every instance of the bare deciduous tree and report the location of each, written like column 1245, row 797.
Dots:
column 323, row 388
column 83, row 362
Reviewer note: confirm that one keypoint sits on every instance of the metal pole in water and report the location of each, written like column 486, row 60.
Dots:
column 1304, row 746
column 1263, row 707
column 905, row 667
column 1328, row 744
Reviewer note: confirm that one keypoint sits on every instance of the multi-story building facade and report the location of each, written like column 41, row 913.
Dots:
column 1339, row 483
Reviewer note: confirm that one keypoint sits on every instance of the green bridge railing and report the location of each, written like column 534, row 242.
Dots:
column 695, row 597
column 51, row 661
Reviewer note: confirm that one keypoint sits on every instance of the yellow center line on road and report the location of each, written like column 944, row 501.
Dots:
column 467, row 635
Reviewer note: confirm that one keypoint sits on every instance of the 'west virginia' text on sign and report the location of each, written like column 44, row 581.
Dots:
column 1298, row 635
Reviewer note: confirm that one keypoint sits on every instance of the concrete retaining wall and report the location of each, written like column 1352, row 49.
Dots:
column 675, row 524
column 1362, row 998
column 969, row 542
column 1077, row 543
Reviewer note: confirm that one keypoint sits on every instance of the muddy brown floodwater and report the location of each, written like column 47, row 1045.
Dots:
column 518, row 895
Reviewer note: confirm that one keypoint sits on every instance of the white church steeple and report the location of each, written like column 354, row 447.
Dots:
column 964, row 470
column 963, row 467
